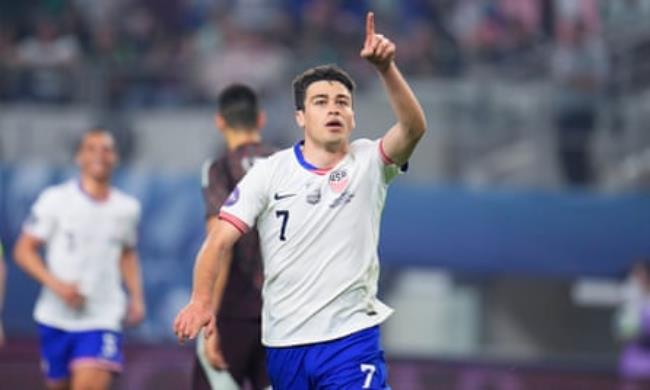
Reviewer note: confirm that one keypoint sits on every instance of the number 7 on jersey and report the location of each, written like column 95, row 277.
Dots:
column 284, row 214
column 369, row 370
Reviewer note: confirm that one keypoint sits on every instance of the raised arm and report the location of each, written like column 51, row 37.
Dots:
column 199, row 312
column 401, row 139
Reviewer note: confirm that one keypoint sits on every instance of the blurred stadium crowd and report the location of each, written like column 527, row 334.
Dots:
column 133, row 53
column 491, row 72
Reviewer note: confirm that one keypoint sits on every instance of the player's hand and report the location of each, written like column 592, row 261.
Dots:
column 70, row 294
column 377, row 49
column 212, row 349
column 135, row 312
column 191, row 319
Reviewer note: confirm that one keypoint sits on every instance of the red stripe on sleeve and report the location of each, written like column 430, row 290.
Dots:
column 236, row 222
column 384, row 157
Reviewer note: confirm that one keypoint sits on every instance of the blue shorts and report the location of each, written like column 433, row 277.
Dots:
column 352, row 362
column 63, row 350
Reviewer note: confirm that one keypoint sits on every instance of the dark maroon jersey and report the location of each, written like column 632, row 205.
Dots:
column 242, row 296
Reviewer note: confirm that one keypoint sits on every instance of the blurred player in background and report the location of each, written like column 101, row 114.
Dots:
column 3, row 281
column 317, row 207
column 88, row 229
column 633, row 324
column 234, row 353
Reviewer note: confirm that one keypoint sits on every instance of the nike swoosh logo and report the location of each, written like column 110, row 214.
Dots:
column 283, row 196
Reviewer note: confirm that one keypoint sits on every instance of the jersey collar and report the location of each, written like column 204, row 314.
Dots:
column 90, row 197
column 304, row 163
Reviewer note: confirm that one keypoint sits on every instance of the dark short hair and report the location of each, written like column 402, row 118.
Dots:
column 97, row 130
column 238, row 106
column 319, row 73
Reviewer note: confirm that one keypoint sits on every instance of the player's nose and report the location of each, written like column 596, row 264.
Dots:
column 334, row 110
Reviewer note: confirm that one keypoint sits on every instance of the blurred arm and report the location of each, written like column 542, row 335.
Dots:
column 132, row 277
column 27, row 257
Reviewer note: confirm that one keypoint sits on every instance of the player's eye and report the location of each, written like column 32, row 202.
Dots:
column 343, row 103
column 320, row 102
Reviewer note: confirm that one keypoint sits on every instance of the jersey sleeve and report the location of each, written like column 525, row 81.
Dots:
column 248, row 199
column 390, row 170
column 42, row 220
column 131, row 236
column 214, row 186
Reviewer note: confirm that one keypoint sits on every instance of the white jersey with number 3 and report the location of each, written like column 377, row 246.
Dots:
column 319, row 231
column 84, row 242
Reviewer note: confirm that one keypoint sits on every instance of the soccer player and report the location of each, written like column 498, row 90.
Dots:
column 234, row 353
column 88, row 229
column 317, row 207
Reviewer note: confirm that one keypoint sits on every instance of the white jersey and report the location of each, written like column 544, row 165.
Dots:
column 319, row 231
column 84, row 240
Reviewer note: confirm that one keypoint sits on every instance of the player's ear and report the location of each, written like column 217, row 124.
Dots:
column 261, row 120
column 220, row 122
column 300, row 118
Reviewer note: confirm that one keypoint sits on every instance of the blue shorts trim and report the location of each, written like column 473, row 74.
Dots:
column 63, row 350
column 352, row 362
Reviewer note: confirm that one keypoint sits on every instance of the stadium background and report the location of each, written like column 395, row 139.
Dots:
column 503, row 248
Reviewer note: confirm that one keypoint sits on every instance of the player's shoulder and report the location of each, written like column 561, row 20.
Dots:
column 125, row 201
column 363, row 143
column 259, row 150
column 364, row 146
column 57, row 191
column 267, row 150
column 208, row 169
column 277, row 158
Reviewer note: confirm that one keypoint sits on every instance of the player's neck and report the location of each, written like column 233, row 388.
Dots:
column 323, row 156
column 96, row 189
column 236, row 138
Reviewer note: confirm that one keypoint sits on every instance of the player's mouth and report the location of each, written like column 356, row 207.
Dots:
column 99, row 166
column 334, row 124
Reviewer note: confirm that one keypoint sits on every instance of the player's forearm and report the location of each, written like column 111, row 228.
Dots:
column 132, row 275
column 221, row 280
column 28, row 259
column 406, row 106
column 205, row 271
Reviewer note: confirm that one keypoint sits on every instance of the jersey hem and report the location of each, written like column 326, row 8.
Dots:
column 346, row 332
column 76, row 328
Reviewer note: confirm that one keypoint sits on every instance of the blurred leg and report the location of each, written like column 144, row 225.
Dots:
column 63, row 384
column 91, row 378
column 217, row 379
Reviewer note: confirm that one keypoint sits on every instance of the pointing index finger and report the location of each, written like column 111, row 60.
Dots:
column 370, row 26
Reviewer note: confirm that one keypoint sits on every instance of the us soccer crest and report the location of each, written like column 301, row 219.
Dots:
column 338, row 180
